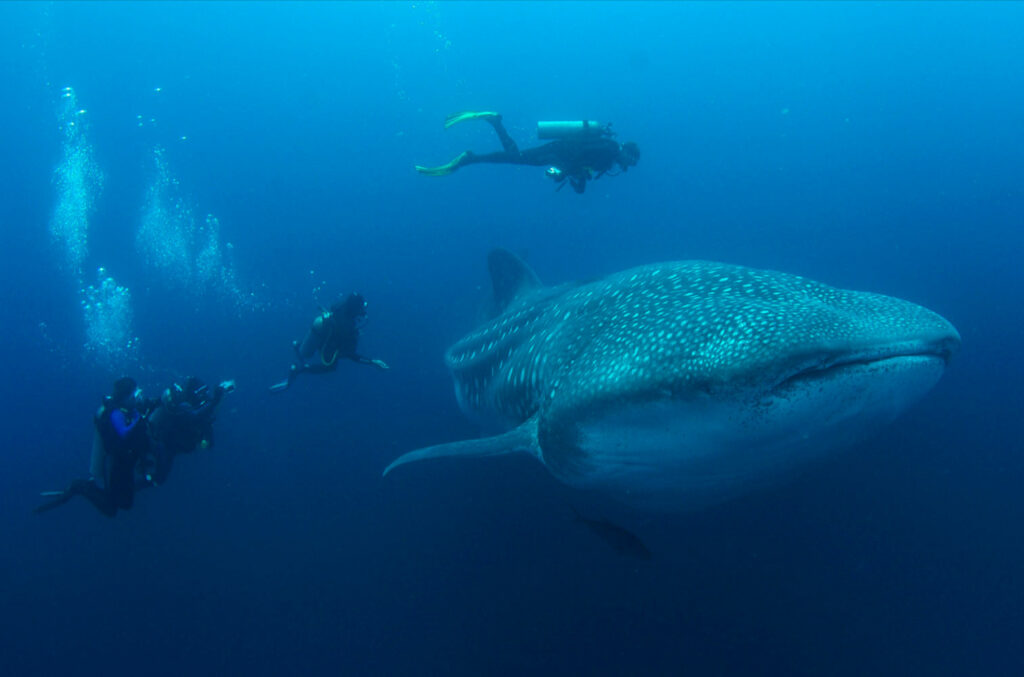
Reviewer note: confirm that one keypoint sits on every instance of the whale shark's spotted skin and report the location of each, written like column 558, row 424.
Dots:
column 689, row 334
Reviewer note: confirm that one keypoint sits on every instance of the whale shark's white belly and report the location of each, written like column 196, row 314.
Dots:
column 673, row 452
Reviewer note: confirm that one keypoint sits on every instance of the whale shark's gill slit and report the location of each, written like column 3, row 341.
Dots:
column 521, row 438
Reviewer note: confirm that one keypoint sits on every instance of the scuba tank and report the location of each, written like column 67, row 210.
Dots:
column 573, row 129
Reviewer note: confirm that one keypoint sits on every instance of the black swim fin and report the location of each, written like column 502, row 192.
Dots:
column 59, row 498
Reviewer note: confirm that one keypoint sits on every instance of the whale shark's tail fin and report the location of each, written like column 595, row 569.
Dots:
column 523, row 438
column 510, row 277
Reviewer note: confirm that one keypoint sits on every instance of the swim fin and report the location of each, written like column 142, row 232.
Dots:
column 456, row 118
column 443, row 170
column 59, row 498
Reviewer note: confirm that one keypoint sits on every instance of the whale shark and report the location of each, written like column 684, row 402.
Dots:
column 685, row 383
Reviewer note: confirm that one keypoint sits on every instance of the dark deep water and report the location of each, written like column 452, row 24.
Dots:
column 871, row 146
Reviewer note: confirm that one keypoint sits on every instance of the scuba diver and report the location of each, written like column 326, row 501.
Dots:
column 181, row 422
column 580, row 151
column 121, row 441
column 334, row 335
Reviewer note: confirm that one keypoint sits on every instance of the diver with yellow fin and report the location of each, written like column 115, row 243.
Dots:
column 577, row 151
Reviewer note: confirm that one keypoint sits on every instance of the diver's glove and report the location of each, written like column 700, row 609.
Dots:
column 380, row 364
column 227, row 386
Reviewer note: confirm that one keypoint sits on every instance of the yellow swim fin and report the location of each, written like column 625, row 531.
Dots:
column 443, row 170
column 456, row 118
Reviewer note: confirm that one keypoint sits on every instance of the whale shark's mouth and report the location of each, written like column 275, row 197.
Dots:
column 837, row 365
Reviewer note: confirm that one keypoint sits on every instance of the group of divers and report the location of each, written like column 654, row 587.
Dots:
column 137, row 439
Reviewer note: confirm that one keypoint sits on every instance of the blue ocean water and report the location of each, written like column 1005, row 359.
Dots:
column 184, row 183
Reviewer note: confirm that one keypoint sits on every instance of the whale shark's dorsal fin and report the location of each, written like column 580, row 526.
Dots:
column 510, row 277
column 522, row 438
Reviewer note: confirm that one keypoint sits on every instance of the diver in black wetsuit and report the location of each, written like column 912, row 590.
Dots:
column 182, row 422
column 120, row 442
column 581, row 151
column 334, row 335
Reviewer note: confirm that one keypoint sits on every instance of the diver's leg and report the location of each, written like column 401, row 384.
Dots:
column 316, row 367
column 121, row 492
column 509, row 156
column 59, row 498
column 207, row 440
column 541, row 156
column 100, row 470
column 285, row 384
column 319, row 367
column 507, row 142
column 281, row 386
column 164, row 463
column 550, row 154
column 98, row 497
column 303, row 351
column 309, row 345
column 497, row 158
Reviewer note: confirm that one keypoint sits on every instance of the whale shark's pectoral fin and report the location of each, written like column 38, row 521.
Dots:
column 522, row 438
